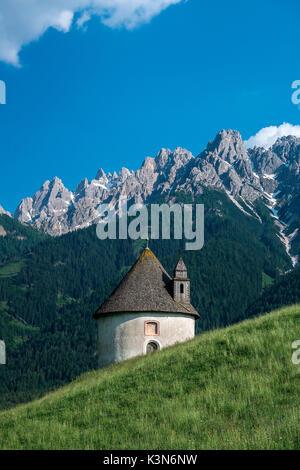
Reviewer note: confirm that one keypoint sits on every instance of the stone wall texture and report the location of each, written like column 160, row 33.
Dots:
column 122, row 336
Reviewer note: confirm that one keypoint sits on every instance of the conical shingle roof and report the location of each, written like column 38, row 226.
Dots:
column 145, row 288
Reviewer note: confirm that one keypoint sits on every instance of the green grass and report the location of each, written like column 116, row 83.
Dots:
column 235, row 388
column 64, row 300
column 13, row 330
column 11, row 269
column 266, row 280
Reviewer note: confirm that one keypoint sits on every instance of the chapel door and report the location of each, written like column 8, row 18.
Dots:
column 151, row 347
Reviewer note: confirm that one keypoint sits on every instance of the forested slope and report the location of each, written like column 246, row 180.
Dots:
column 285, row 291
column 49, row 298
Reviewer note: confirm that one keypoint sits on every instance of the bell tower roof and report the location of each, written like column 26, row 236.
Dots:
column 180, row 271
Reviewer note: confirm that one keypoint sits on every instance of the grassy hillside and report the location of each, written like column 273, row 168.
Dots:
column 235, row 388
column 51, row 290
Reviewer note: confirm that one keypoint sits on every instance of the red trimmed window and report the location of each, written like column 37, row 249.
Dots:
column 151, row 328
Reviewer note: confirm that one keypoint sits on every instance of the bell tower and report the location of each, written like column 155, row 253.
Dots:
column 181, row 283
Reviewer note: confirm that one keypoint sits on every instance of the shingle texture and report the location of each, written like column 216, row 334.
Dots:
column 180, row 270
column 147, row 287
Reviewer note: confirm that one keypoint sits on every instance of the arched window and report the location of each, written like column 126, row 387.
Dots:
column 181, row 288
column 151, row 328
column 152, row 346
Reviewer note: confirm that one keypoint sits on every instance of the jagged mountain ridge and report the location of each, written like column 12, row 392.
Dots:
column 4, row 212
column 272, row 175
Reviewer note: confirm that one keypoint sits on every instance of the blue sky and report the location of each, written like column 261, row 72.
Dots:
column 108, row 97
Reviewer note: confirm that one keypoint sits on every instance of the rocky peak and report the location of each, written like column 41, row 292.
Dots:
column 287, row 149
column 52, row 200
column 225, row 164
column 162, row 157
column 179, row 157
column 82, row 186
column 3, row 212
column 149, row 164
column 54, row 190
column 101, row 174
column 124, row 173
column 265, row 162
column 228, row 145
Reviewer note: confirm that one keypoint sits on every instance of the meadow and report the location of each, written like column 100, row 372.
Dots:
column 232, row 388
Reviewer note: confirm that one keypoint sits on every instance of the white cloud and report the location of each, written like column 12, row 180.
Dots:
column 83, row 19
column 23, row 21
column 267, row 136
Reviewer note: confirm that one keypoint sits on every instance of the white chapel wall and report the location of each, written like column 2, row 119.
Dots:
column 122, row 336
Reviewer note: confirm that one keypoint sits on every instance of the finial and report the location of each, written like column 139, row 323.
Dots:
column 147, row 238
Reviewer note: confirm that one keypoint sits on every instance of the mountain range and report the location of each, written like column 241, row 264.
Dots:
column 50, row 286
column 245, row 175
